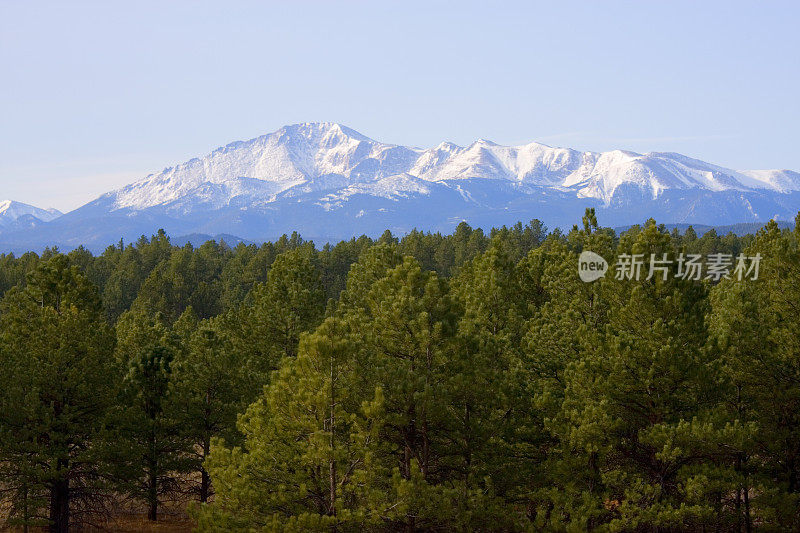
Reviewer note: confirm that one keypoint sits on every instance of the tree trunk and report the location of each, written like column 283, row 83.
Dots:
column 748, row 526
column 152, row 496
column 467, row 448
column 738, row 504
column 205, row 485
column 205, row 481
column 59, row 504
column 426, row 448
column 152, row 511
column 332, row 469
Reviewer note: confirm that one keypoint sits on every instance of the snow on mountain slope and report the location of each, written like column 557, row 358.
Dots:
column 11, row 211
column 392, row 188
column 531, row 163
column 778, row 180
column 326, row 157
column 313, row 154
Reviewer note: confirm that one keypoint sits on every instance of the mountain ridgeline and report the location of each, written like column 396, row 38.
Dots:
column 329, row 183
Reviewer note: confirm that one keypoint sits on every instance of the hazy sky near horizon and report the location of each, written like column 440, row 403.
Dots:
column 94, row 95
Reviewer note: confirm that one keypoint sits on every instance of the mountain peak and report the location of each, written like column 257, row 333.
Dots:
column 11, row 211
column 485, row 142
column 311, row 130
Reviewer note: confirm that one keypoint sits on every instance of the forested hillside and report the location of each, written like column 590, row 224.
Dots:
column 463, row 382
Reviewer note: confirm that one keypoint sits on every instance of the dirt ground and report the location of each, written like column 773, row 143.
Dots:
column 134, row 523
column 172, row 519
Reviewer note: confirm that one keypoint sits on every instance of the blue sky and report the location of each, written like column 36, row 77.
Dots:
column 94, row 95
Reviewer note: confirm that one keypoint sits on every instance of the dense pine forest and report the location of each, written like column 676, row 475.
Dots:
column 463, row 382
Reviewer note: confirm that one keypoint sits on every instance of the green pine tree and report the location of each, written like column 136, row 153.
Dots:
column 59, row 382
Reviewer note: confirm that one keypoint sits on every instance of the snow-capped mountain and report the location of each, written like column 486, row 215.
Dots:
column 329, row 182
column 323, row 156
column 15, row 213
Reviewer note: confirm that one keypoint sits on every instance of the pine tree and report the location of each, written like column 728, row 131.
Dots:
column 296, row 468
column 633, row 390
column 150, row 453
column 290, row 302
column 755, row 326
column 566, row 327
column 212, row 384
column 58, row 384
column 415, row 480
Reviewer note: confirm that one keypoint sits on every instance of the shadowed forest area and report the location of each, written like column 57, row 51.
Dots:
column 463, row 382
